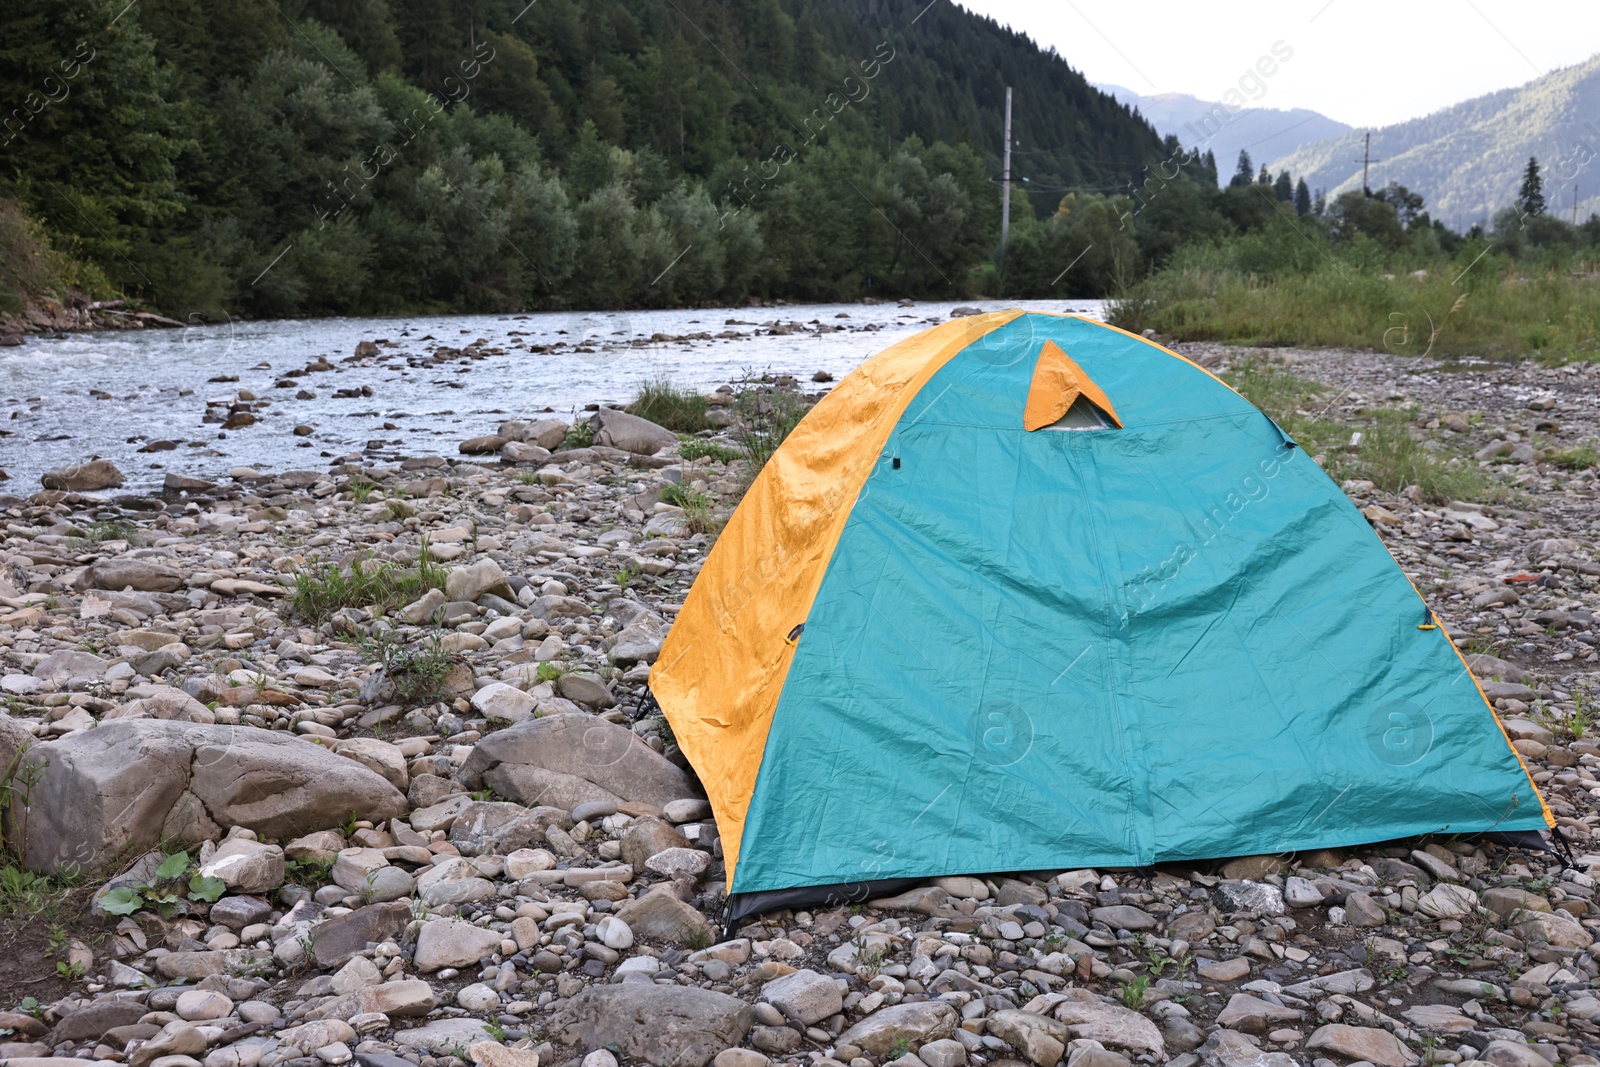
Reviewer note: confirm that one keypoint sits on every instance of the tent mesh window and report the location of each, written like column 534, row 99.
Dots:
column 1082, row 415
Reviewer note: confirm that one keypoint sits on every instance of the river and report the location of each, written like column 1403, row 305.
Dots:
column 73, row 397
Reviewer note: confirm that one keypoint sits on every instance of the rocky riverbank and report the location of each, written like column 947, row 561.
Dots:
column 369, row 748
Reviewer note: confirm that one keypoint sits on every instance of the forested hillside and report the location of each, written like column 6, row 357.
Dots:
column 334, row 156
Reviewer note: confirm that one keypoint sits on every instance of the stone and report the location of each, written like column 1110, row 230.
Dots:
column 238, row 912
column 476, row 579
column 546, row 433
column 87, row 477
column 1507, row 901
column 1093, row 1019
column 64, row 665
column 496, row 827
column 1441, row 1018
column 915, row 1024
column 176, row 1041
column 91, row 1021
column 734, row 1057
column 203, row 1004
column 478, row 997
column 1258, row 898
column 649, row 836
column 1301, row 893
column 679, row 863
column 663, row 1025
column 946, row 1052
column 453, row 943
column 1362, row 910
column 125, row 785
column 1253, row 868
column 805, row 995
column 377, row 756
column 690, row 809
column 1448, row 901
column 505, row 703
column 1224, row 970
column 405, row 998
column 144, row 575
column 1368, row 1043
column 587, row 689
column 1555, row 928
column 639, row 641
column 1124, row 917
column 1229, row 1048
column 1038, row 1037
column 493, row 1054
column 1511, row 1054
column 581, row 757
column 614, row 933
column 246, row 866
column 618, row 429
column 1253, row 1015
column 335, row 940
column 662, row 916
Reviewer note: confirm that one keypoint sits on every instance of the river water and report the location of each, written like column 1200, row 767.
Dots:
column 73, row 397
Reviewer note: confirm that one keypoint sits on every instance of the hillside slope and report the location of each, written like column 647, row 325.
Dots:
column 1265, row 132
column 1467, row 160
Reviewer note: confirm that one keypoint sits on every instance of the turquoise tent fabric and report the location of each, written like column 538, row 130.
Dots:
column 1115, row 647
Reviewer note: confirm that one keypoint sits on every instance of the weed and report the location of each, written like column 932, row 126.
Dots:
column 767, row 418
column 417, row 673
column 527, row 477
column 1575, row 459
column 699, row 509
column 1132, row 993
column 695, row 448
column 361, row 491
column 70, row 972
column 869, row 961
column 175, row 880
column 698, row 939
column 900, row 1049
column 103, row 530
column 308, row 872
column 320, row 590
column 548, row 672
column 493, row 1028
column 665, row 404
column 625, row 576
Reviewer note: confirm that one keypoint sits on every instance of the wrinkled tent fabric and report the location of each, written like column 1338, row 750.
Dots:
column 1032, row 649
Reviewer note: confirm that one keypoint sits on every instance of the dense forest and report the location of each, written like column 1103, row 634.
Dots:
column 305, row 157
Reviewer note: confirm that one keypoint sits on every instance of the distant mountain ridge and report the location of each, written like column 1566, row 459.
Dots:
column 1264, row 132
column 1467, row 160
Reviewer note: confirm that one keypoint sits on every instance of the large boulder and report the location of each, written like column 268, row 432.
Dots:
column 913, row 1024
column 476, row 579
column 565, row 760
column 97, row 795
column 629, row 432
column 546, row 433
column 145, row 575
column 83, row 477
column 660, row 1024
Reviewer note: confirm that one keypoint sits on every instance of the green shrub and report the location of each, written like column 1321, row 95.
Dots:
column 321, row 589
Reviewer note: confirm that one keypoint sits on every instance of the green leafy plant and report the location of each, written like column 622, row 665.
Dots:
column 699, row 509
column 580, row 436
column 361, row 490
column 1132, row 993
column 548, row 672
column 623, row 577
column 900, row 1049
column 1581, row 458
column 493, row 1028
column 175, row 879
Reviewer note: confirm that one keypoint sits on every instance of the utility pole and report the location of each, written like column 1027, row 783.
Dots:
column 1005, row 180
column 1367, row 161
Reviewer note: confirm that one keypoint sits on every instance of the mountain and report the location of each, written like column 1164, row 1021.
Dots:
column 1467, row 160
column 1265, row 132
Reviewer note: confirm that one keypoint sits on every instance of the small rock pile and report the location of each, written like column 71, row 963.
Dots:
column 489, row 850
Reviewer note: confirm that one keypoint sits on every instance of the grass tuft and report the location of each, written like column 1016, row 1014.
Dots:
column 665, row 404
column 321, row 589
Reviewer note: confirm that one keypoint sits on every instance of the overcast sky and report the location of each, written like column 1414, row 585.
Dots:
column 1356, row 61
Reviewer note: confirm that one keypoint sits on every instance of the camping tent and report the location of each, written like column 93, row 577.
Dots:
column 1028, row 592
